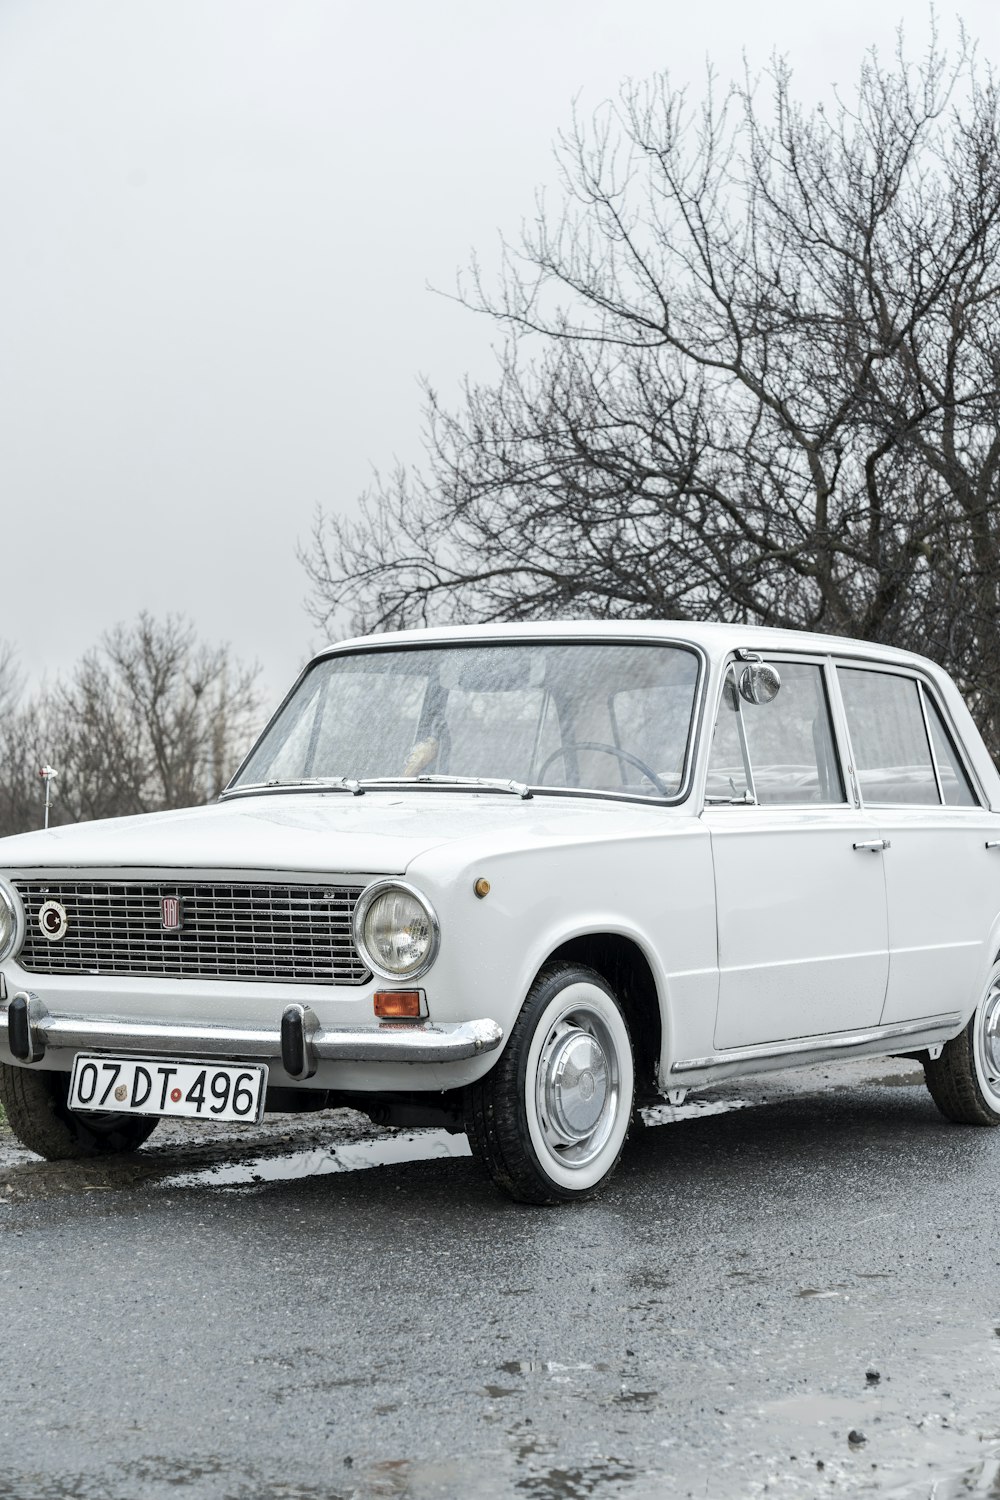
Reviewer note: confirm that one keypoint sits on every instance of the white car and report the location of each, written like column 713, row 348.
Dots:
column 516, row 880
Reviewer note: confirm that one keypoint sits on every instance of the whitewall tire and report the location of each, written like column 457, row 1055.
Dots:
column 550, row 1119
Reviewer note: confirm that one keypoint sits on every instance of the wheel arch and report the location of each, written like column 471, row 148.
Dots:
column 623, row 965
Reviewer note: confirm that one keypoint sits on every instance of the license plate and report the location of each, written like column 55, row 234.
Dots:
column 159, row 1086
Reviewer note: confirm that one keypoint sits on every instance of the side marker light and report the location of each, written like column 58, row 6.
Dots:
column 393, row 1004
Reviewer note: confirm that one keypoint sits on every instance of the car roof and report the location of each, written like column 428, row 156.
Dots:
column 716, row 638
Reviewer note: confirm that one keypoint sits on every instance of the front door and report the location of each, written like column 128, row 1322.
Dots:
column 800, row 891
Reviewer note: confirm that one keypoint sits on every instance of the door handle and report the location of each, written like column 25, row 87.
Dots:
column 875, row 845
column 993, row 843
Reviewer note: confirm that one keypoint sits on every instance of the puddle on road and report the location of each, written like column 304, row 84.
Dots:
column 906, row 1440
column 548, row 1367
column 576, row 1484
column 491, row 1479
column 693, row 1109
column 420, row 1145
column 199, row 1163
column 320, row 1160
column 813, row 1410
column 980, row 1482
column 425, row 1145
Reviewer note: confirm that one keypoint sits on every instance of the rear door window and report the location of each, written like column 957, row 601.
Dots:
column 892, row 754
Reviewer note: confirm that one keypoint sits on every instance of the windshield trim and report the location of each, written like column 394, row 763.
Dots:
column 433, row 643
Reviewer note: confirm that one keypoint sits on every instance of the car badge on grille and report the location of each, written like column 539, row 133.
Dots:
column 171, row 913
column 52, row 920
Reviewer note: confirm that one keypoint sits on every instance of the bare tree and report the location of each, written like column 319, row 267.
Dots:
column 751, row 369
column 149, row 720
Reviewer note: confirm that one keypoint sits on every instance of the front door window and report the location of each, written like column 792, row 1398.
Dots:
column 778, row 753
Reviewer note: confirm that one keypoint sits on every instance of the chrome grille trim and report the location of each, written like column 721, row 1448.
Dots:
column 293, row 934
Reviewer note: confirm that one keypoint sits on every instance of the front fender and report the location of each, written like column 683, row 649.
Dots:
column 658, row 892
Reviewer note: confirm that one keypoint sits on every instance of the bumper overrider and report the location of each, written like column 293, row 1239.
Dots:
column 299, row 1041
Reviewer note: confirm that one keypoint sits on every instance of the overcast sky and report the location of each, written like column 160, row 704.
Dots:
column 220, row 219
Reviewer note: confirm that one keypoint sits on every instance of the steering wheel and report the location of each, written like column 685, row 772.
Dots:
column 622, row 755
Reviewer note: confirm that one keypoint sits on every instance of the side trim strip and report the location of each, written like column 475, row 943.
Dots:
column 841, row 1041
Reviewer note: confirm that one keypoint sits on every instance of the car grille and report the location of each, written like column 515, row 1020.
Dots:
column 299, row 934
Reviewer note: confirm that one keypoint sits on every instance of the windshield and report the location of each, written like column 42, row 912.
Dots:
column 612, row 718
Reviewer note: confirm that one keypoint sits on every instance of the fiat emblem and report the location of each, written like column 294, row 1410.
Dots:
column 52, row 920
column 171, row 913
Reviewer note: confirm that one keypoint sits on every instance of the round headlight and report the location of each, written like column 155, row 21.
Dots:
column 8, row 922
column 396, row 930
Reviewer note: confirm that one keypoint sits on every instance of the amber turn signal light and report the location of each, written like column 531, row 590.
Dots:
column 396, row 1003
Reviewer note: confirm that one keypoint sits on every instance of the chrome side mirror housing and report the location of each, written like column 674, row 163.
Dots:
column 759, row 681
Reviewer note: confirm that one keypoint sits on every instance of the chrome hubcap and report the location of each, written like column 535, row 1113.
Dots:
column 577, row 1087
column 575, row 1080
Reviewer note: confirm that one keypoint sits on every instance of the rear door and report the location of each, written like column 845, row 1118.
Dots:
column 941, row 883
column 801, row 910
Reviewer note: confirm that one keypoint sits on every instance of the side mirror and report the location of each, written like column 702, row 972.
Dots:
column 759, row 682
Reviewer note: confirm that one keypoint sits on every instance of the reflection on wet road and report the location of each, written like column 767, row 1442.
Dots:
column 420, row 1145
column 424, row 1145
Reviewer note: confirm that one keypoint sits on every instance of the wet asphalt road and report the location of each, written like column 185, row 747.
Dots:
column 755, row 1285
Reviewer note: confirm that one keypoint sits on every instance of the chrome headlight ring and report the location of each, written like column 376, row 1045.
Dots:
column 11, row 922
column 366, row 901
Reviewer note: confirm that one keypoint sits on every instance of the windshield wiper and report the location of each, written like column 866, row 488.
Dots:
column 358, row 788
column 302, row 784
column 488, row 783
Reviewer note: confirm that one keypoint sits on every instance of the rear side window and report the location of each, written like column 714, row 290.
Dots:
column 955, row 787
column 892, row 755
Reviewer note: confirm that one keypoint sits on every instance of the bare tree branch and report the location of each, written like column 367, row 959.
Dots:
column 750, row 369
column 150, row 719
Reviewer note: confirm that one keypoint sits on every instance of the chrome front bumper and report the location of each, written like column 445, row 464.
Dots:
column 299, row 1041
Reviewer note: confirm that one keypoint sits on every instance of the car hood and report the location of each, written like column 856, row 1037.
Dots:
column 378, row 833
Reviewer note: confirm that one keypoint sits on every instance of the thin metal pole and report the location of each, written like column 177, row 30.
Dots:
column 47, row 773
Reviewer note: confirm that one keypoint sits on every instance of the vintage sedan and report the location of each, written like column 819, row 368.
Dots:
column 517, row 881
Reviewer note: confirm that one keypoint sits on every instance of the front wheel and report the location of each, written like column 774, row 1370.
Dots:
column 40, row 1117
column 550, row 1119
column 964, row 1081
